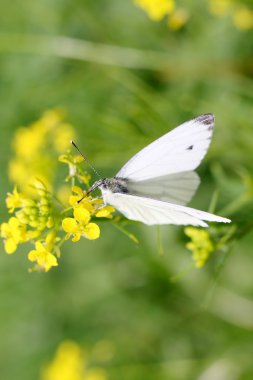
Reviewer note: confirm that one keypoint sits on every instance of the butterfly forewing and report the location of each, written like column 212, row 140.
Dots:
column 180, row 150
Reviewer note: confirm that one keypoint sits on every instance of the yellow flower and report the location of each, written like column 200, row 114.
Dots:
column 50, row 120
column 78, row 194
column 80, row 226
column 50, row 241
column 220, row 7
column 34, row 156
column 28, row 141
column 43, row 257
column 37, row 215
column 69, row 363
column 14, row 200
column 200, row 245
column 74, row 168
column 156, row 9
column 72, row 162
column 243, row 18
column 105, row 212
column 62, row 137
column 13, row 233
column 23, row 172
column 178, row 19
column 92, row 205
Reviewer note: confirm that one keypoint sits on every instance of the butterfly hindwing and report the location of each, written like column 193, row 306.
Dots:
column 151, row 211
column 176, row 188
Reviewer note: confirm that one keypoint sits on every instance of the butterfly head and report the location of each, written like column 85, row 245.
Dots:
column 95, row 185
column 114, row 185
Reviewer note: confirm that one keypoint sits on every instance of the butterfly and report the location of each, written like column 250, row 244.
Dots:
column 154, row 186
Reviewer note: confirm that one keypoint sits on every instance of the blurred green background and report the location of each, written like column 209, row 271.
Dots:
column 123, row 81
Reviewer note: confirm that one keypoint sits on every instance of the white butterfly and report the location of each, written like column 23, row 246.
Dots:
column 156, row 183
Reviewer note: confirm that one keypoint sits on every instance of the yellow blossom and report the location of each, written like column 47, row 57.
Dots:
column 14, row 200
column 220, row 7
column 156, row 9
column 80, row 226
column 67, row 364
column 200, row 245
column 43, row 257
column 50, row 241
column 50, row 119
column 178, row 19
column 105, row 212
column 34, row 214
column 30, row 144
column 62, row 137
column 72, row 162
column 74, row 168
column 13, row 233
column 82, row 215
column 91, row 231
column 92, row 205
column 70, row 159
column 23, row 172
column 27, row 141
column 78, row 194
column 243, row 18
column 70, row 363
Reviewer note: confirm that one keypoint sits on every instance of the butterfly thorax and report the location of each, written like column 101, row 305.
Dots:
column 115, row 185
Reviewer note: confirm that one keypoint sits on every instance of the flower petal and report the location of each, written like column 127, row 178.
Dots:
column 50, row 261
column 39, row 247
column 10, row 246
column 69, row 225
column 91, row 231
column 32, row 255
column 105, row 212
column 82, row 215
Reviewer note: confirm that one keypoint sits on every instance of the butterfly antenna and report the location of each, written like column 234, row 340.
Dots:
column 86, row 159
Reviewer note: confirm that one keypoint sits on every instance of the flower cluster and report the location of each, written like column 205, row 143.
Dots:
column 201, row 245
column 80, row 225
column 158, row 9
column 241, row 14
column 71, row 363
column 39, row 220
column 39, row 215
column 34, row 219
column 36, row 148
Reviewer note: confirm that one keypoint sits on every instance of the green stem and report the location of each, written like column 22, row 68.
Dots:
column 127, row 233
column 72, row 48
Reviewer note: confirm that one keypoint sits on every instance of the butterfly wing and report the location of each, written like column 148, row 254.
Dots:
column 176, row 188
column 151, row 211
column 180, row 150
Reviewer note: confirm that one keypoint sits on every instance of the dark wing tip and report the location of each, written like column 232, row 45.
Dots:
column 207, row 119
